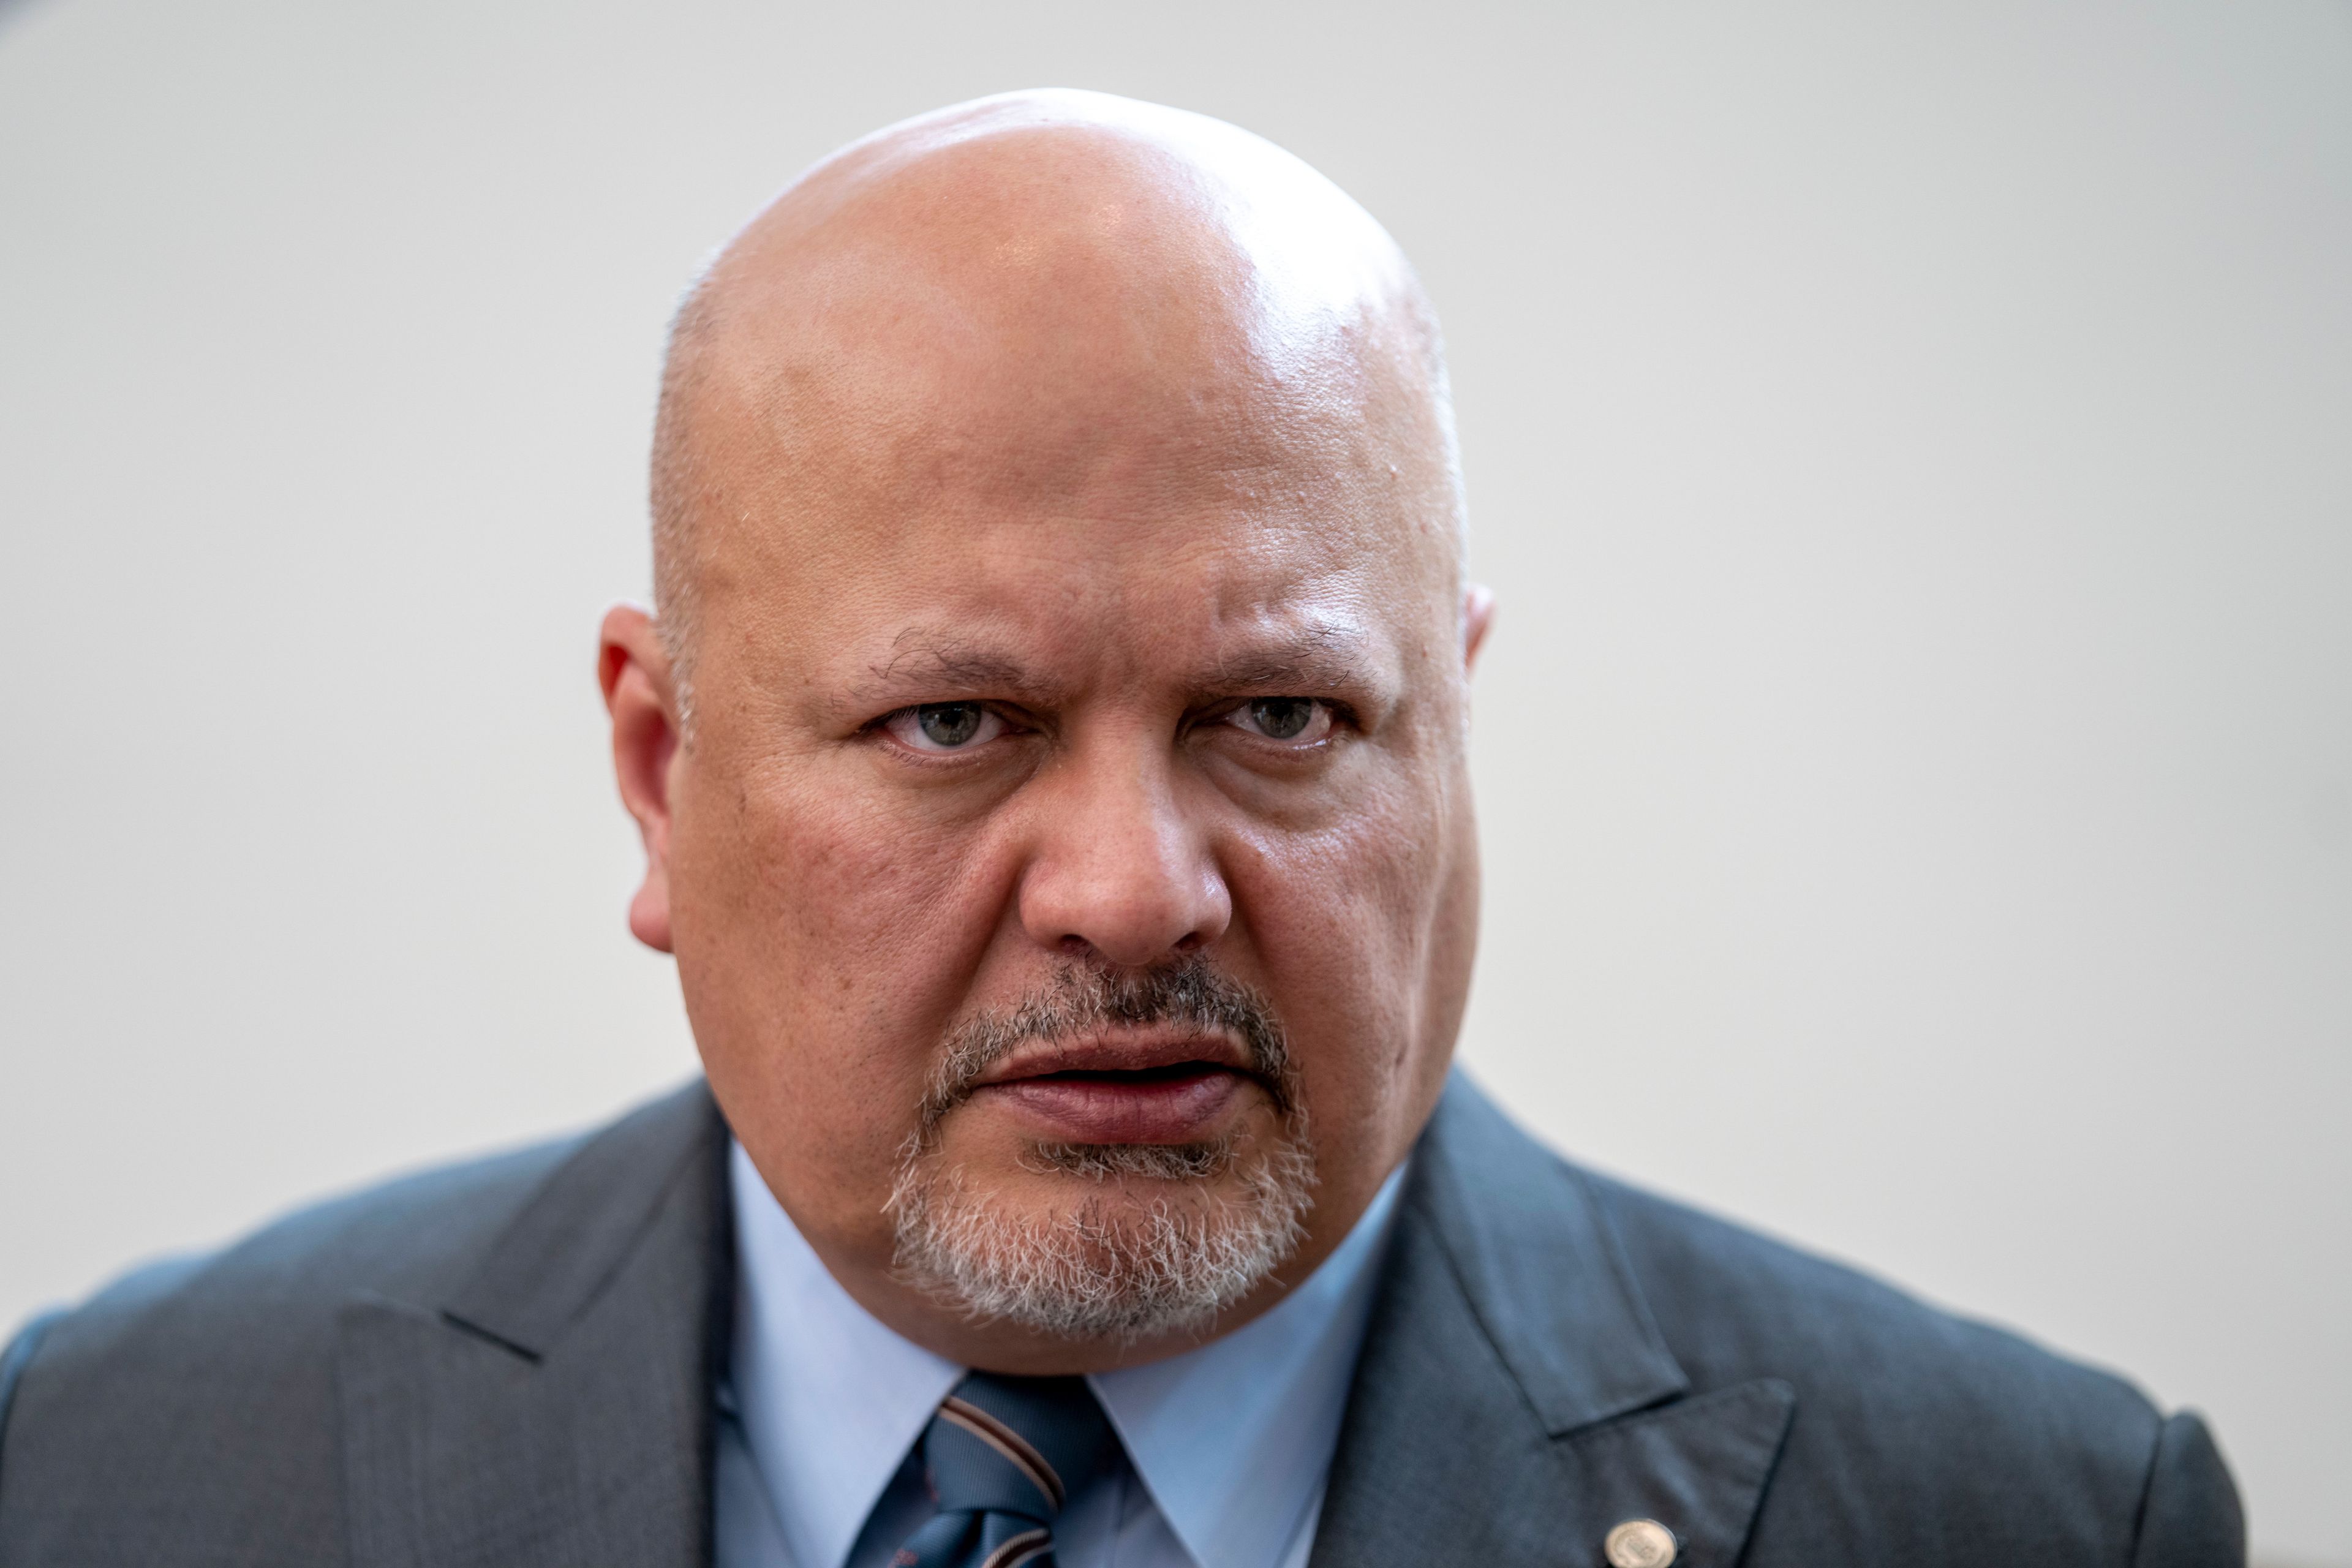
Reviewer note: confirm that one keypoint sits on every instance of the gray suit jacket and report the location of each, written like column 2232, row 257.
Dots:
column 512, row 1362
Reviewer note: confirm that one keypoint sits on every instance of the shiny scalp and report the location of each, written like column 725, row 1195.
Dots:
column 1077, row 262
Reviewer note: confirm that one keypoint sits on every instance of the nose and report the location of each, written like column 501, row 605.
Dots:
column 1116, row 869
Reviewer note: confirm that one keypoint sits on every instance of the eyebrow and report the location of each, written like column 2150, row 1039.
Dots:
column 1318, row 659
column 922, row 662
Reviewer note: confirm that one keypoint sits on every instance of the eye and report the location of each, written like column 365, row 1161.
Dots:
column 944, row 726
column 1298, row 720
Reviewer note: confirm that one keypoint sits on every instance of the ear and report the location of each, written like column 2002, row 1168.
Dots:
column 634, row 671
column 1477, row 615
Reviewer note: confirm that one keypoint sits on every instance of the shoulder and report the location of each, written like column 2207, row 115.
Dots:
column 209, row 1383
column 263, row 1297
column 1730, row 1301
column 1919, row 1434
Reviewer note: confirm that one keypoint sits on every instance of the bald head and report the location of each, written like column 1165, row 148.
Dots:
column 1057, row 300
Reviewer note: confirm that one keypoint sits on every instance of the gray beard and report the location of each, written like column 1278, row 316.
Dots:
column 1155, row 1239
column 1114, row 1264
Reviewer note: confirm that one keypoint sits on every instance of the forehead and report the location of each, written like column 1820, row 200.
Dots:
column 890, row 380
column 1172, row 523
column 1055, row 385
column 1183, row 585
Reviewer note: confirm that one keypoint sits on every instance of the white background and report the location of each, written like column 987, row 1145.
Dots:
column 1915, row 452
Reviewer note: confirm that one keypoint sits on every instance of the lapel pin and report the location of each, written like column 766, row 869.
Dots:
column 1639, row 1543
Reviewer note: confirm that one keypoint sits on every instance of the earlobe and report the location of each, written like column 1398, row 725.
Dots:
column 634, row 672
column 649, row 908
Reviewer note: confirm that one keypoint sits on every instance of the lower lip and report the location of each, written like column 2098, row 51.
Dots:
column 1187, row 1108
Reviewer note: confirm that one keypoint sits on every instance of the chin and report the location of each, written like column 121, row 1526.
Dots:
column 1104, row 1242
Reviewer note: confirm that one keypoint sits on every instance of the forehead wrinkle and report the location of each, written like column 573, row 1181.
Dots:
column 921, row 660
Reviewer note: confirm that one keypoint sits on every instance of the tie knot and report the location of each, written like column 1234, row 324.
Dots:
column 1015, row 1445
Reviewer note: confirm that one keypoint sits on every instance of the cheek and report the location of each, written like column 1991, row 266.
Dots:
column 823, row 946
column 1342, row 918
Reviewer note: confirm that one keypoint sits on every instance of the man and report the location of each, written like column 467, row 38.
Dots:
column 1050, row 757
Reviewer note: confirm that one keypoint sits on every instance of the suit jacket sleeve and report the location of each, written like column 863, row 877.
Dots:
column 14, row 1358
column 2190, row 1518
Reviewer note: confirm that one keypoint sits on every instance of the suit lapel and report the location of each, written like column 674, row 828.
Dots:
column 1515, row 1400
column 556, row 1409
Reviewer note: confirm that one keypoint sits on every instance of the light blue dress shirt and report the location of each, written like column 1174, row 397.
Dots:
column 1227, row 1444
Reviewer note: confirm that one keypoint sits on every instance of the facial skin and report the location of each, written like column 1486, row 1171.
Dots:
column 1061, row 559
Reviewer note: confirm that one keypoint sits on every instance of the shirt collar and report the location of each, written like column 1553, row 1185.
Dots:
column 830, row 1398
column 1232, row 1438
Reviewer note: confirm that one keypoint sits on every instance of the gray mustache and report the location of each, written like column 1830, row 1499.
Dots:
column 1082, row 999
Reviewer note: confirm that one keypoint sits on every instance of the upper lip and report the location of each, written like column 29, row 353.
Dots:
column 1127, row 1049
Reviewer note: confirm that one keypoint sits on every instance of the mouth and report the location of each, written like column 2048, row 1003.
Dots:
column 1131, row 1086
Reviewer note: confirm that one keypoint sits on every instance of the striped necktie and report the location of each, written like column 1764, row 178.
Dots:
column 1002, row 1456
